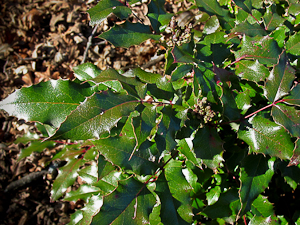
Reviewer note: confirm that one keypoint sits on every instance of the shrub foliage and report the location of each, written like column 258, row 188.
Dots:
column 208, row 141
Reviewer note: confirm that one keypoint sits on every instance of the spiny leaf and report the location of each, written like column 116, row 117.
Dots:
column 128, row 34
column 66, row 177
column 95, row 116
column 280, row 80
column 294, row 97
column 85, row 215
column 47, row 102
column 256, row 173
column 130, row 202
column 104, row 8
column 208, row 146
column 251, row 70
column 288, row 117
column 119, row 149
column 180, row 189
column 264, row 49
column 293, row 44
column 265, row 136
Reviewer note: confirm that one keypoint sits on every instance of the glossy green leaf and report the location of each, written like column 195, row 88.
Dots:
column 272, row 20
column 86, row 71
column 251, row 70
column 279, row 35
column 211, row 25
column 262, row 207
column 84, row 192
column 36, row 146
column 181, row 55
column 180, row 189
column 211, row 7
column 248, row 29
column 181, row 71
column 266, row 137
column 130, row 202
column 294, row 97
column 69, row 152
column 256, row 173
column 258, row 220
column 121, row 150
column 128, row 34
column 280, row 80
column 263, row 49
column 208, row 146
column 288, row 117
column 47, row 102
column 245, row 5
column 89, row 174
column 84, row 216
column 105, row 8
column 213, row 195
column 185, row 146
column 66, row 177
column 293, row 44
column 96, row 115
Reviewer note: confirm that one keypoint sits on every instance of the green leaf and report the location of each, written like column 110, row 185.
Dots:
column 208, row 146
column 288, row 117
column 295, row 160
column 258, row 220
column 266, row 137
column 85, row 215
column 263, row 49
column 47, row 102
column 130, row 202
column 251, row 70
column 213, row 195
column 35, row 146
column 280, row 80
column 262, row 207
column 119, row 149
column 294, row 97
column 95, row 116
column 128, row 34
column 104, row 8
column 245, row 5
column 256, row 174
column 181, row 55
column 86, row 71
column 211, row 25
column 248, row 29
column 180, row 189
column 279, row 35
column 226, row 207
column 181, row 71
column 84, row 192
column 157, row 14
column 272, row 20
column 89, row 174
column 66, row 177
column 185, row 146
column 293, row 44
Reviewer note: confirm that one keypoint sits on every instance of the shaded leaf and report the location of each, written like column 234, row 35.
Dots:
column 66, row 177
column 157, row 14
column 36, row 146
column 272, row 20
column 294, row 97
column 96, row 115
column 248, row 29
column 181, row 71
column 47, row 102
column 128, row 34
column 104, row 8
column 208, row 146
column 130, row 202
column 256, row 173
column 280, row 80
column 265, row 136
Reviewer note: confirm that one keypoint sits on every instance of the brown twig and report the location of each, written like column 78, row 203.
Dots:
column 4, row 71
column 89, row 43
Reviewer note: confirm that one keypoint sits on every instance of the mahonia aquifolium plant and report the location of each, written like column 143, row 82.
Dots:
column 213, row 140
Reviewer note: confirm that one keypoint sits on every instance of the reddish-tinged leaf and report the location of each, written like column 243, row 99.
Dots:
column 294, row 97
column 95, row 116
column 264, row 49
column 251, row 70
column 266, row 137
column 295, row 160
column 66, row 177
column 47, row 102
column 280, row 80
column 288, row 117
